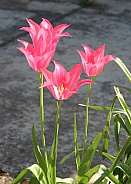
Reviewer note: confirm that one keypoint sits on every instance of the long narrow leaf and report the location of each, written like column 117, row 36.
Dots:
column 106, row 109
column 88, row 157
column 120, row 120
column 77, row 156
column 117, row 132
column 124, row 68
column 105, row 173
column 36, row 170
column 124, row 87
column 87, row 176
column 106, row 133
column 123, row 103
column 125, row 168
column 38, row 154
column 121, row 153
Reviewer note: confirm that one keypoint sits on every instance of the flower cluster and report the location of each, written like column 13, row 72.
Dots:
column 62, row 84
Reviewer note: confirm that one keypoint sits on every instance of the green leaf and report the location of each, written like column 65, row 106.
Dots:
column 38, row 154
column 124, row 87
column 123, row 104
column 65, row 181
column 124, row 68
column 120, row 120
column 120, row 154
column 87, row 176
column 88, row 157
column 77, row 156
column 106, row 173
column 66, row 157
column 33, row 180
column 36, row 170
column 110, row 157
column 117, row 131
column 106, row 109
column 106, row 133
column 125, row 168
column 128, row 161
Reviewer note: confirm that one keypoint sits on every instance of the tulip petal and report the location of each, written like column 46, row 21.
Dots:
column 74, row 75
column 81, row 83
column 59, row 74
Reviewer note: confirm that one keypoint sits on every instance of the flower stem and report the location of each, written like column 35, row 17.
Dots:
column 42, row 117
column 55, row 144
column 87, row 118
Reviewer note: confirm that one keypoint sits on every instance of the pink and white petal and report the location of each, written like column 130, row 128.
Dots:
column 108, row 58
column 58, row 36
column 34, row 26
column 83, row 56
column 67, row 94
column 81, row 83
column 48, row 75
column 46, row 24
column 93, row 71
column 88, row 50
column 74, row 75
column 60, row 28
column 99, row 54
column 59, row 73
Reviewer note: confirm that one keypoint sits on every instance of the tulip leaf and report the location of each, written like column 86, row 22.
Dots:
column 120, row 120
column 123, row 103
column 107, row 128
column 120, row 154
column 33, row 180
column 77, row 156
column 65, row 181
column 38, row 154
column 116, row 132
column 87, row 176
column 124, row 87
column 124, row 68
column 109, row 176
column 107, row 109
column 125, row 168
column 88, row 157
column 36, row 170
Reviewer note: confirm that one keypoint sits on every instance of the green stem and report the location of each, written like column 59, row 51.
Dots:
column 42, row 117
column 55, row 144
column 87, row 117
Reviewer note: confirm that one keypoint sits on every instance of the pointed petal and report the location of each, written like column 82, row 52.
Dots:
column 88, row 50
column 108, row 58
column 74, row 75
column 48, row 75
column 59, row 74
column 60, row 28
column 46, row 24
column 99, row 54
column 81, row 83
column 34, row 26
column 83, row 56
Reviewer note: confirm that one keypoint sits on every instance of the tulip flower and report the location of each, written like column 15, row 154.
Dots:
column 63, row 84
column 44, row 41
column 94, row 61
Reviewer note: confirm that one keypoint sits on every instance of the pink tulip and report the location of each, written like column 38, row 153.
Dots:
column 45, row 39
column 63, row 84
column 94, row 61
